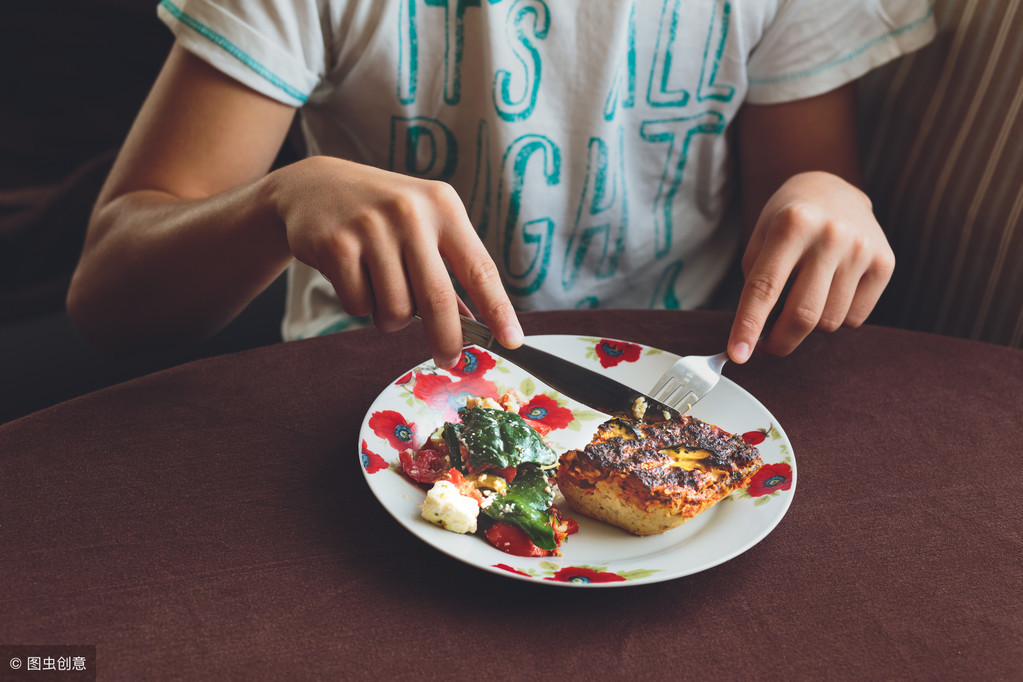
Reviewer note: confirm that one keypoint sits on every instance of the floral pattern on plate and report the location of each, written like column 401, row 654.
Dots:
column 422, row 398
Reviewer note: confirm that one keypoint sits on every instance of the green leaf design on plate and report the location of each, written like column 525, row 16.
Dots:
column 638, row 573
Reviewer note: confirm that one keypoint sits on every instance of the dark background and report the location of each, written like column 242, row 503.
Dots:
column 72, row 77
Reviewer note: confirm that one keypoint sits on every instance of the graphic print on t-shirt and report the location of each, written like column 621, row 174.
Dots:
column 568, row 204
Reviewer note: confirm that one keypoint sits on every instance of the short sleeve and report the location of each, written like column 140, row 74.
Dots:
column 274, row 48
column 814, row 46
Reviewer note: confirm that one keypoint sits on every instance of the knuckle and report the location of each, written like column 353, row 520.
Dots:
column 747, row 326
column 855, row 320
column 834, row 236
column 829, row 324
column 499, row 310
column 405, row 208
column 391, row 315
column 437, row 300
column 804, row 318
column 884, row 262
column 442, row 193
column 483, row 274
column 792, row 218
column 763, row 287
column 341, row 246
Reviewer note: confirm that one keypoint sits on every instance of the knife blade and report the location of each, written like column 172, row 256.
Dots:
column 575, row 381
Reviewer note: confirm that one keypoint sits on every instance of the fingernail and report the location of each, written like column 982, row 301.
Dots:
column 740, row 352
column 446, row 364
column 512, row 337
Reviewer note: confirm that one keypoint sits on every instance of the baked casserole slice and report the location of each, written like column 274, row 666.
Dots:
column 650, row 478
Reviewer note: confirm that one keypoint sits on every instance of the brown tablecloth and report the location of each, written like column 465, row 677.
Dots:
column 211, row 522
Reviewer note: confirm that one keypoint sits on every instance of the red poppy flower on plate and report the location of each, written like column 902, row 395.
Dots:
column 755, row 437
column 474, row 362
column 405, row 378
column 506, row 567
column 545, row 409
column 371, row 462
column 578, row 574
column 393, row 428
column 769, row 478
column 447, row 396
column 611, row 353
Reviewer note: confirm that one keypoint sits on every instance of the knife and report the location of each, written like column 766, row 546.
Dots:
column 575, row 381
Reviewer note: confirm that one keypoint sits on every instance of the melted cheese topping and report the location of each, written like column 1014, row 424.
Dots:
column 686, row 458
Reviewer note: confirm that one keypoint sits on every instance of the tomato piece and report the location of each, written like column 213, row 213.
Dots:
column 563, row 527
column 425, row 466
column 508, row 474
column 465, row 487
column 455, row 476
column 539, row 427
column 512, row 540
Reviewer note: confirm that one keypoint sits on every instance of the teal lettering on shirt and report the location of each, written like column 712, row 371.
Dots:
column 664, row 294
column 623, row 86
column 454, row 23
column 422, row 147
column 479, row 201
column 677, row 134
column 659, row 94
column 512, row 107
column 408, row 52
column 712, row 52
column 535, row 234
column 602, row 219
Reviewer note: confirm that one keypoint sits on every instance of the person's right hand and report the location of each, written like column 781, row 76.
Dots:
column 382, row 240
column 192, row 183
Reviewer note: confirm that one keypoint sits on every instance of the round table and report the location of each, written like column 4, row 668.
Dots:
column 211, row 521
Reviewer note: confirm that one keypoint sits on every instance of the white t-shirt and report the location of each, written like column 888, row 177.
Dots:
column 587, row 139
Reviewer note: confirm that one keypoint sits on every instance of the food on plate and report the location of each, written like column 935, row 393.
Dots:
column 492, row 471
column 649, row 478
column 447, row 507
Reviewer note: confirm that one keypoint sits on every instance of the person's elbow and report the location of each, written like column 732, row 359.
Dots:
column 90, row 313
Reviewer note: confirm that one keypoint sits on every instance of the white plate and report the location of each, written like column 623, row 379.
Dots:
column 599, row 555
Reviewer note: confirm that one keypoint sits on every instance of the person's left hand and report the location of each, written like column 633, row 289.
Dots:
column 817, row 235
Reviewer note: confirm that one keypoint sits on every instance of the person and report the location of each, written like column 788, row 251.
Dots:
column 489, row 157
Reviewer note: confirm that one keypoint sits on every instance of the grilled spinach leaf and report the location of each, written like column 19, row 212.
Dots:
column 500, row 439
column 527, row 504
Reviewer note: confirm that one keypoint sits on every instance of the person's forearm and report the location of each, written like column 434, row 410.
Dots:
column 777, row 142
column 159, row 269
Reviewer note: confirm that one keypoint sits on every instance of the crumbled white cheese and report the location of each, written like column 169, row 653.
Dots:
column 448, row 508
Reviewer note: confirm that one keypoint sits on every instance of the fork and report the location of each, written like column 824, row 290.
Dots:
column 688, row 380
